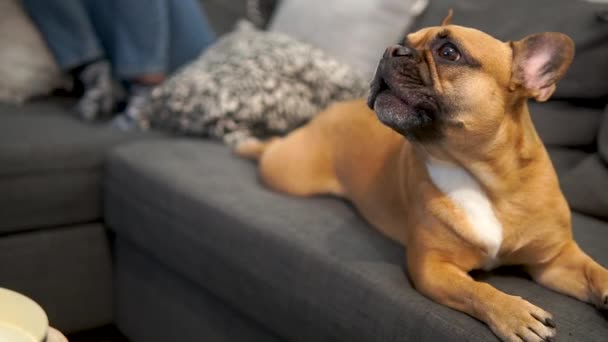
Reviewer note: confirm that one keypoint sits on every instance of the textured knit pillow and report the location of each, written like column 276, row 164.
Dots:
column 250, row 83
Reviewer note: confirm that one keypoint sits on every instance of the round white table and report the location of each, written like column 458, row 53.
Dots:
column 55, row 336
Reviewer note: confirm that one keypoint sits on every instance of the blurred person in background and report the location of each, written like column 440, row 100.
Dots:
column 139, row 42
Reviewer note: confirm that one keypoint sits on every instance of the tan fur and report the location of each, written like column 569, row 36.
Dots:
column 346, row 151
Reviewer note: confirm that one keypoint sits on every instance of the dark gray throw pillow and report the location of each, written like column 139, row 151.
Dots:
column 250, row 83
column 585, row 22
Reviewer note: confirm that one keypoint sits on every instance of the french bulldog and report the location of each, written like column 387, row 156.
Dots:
column 443, row 158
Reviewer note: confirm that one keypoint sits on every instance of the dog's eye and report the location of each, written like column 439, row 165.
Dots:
column 449, row 51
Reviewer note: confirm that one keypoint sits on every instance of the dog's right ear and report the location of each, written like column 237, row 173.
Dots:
column 539, row 61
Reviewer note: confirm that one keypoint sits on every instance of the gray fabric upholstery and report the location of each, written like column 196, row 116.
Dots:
column 309, row 269
column 49, row 199
column 576, row 147
column 154, row 304
column 586, row 186
column 561, row 123
column 51, row 165
column 565, row 159
column 66, row 270
column 602, row 143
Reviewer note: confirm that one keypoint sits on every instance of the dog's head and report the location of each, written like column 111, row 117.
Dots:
column 460, row 84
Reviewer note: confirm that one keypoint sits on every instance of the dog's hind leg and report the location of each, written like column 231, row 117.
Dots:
column 299, row 164
column 253, row 148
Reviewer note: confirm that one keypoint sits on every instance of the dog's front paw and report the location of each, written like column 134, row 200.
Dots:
column 518, row 320
column 601, row 302
column 604, row 304
column 599, row 288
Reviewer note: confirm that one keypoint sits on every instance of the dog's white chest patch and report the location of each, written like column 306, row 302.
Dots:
column 464, row 190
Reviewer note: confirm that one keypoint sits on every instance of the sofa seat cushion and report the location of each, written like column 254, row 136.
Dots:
column 51, row 165
column 67, row 270
column 153, row 304
column 308, row 268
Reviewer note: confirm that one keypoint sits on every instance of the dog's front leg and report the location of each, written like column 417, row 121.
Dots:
column 574, row 273
column 511, row 318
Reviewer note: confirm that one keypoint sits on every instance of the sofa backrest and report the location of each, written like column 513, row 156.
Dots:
column 223, row 14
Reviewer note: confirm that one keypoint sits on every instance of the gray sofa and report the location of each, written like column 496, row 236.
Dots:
column 174, row 239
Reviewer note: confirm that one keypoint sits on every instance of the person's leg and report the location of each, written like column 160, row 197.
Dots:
column 67, row 30
column 73, row 40
column 151, row 39
column 147, row 39
column 135, row 34
column 189, row 32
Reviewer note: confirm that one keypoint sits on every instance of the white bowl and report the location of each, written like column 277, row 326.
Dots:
column 21, row 319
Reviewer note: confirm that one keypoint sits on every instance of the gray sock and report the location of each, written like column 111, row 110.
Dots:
column 100, row 95
column 133, row 117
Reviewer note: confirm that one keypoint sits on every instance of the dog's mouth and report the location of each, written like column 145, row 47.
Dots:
column 383, row 97
column 382, row 93
column 377, row 86
column 392, row 109
column 402, row 100
column 380, row 89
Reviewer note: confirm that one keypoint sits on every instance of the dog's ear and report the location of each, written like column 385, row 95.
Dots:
column 539, row 61
column 448, row 18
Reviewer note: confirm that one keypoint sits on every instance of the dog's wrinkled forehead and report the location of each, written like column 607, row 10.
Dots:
column 477, row 45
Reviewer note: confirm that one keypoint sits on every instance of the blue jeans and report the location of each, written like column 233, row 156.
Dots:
column 137, row 36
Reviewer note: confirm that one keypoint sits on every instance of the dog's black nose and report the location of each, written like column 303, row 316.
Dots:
column 399, row 51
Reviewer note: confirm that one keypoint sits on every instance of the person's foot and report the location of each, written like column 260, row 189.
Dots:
column 100, row 96
column 133, row 117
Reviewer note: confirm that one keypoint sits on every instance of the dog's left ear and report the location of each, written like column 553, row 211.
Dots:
column 539, row 61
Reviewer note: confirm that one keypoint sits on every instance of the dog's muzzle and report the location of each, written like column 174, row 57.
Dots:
column 398, row 65
column 398, row 93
